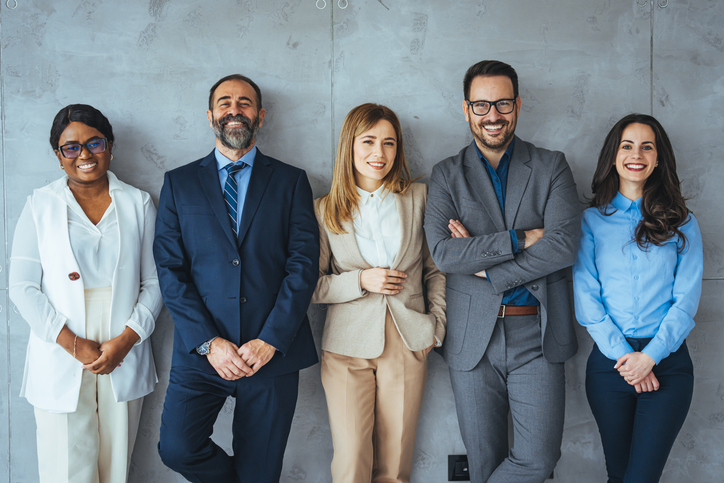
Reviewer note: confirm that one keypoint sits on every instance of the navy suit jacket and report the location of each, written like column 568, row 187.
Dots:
column 258, row 285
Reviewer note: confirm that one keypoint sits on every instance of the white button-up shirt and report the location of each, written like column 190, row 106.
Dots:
column 377, row 227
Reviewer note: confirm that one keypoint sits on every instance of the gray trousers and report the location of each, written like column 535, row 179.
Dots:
column 512, row 376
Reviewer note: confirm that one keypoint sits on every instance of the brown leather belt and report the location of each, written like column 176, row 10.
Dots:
column 517, row 310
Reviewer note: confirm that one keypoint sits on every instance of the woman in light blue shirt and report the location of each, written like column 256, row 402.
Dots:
column 637, row 283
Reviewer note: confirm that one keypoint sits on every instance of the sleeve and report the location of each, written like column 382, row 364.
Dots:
column 333, row 288
column 590, row 311
column 26, row 275
column 190, row 316
column 557, row 249
column 464, row 256
column 302, row 268
column 146, row 310
column 434, row 281
column 679, row 320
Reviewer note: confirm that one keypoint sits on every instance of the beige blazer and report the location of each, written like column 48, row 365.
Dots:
column 355, row 323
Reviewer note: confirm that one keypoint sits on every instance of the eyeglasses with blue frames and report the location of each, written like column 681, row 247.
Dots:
column 481, row 108
column 73, row 150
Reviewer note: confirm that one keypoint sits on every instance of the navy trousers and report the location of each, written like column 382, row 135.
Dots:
column 262, row 420
column 639, row 430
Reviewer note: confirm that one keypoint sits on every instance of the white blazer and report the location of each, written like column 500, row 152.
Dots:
column 52, row 377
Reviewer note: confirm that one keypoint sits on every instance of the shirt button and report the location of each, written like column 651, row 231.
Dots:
column 636, row 277
column 635, row 257
column 242, row 300
column 637, row 297
column 534, row 287
column 235, row 262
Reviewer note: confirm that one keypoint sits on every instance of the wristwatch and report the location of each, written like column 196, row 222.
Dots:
column 205, row 348
column 520, row 235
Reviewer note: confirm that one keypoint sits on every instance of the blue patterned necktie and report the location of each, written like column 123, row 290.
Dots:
column 231, row 192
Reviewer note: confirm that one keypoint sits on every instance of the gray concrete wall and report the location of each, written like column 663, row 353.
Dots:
column 582, row 65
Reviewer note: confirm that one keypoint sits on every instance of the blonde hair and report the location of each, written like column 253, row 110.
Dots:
column 340, row 204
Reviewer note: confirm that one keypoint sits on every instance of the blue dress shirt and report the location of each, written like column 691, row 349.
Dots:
column 621, row 291
column 499, row 177
column 242, row 177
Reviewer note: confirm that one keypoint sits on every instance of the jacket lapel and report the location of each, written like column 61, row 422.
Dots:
column 404, row 210
column 479, row 180
column 261, row 172
column 350, row 243
column 209, row 178
column 518, row 177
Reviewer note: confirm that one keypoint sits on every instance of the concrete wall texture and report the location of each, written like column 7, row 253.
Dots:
column 148, row 64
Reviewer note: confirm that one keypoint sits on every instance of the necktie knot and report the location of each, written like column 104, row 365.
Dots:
column 233, row 168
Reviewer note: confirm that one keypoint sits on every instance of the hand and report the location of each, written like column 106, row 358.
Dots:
column 457, row 230
column 256, row 353
column 650, row 383
column 427, row 351
column 634, row 367
column 532, row 237
column 86, row 351
column 224, row 357
column 113, row 352
column 382, row 280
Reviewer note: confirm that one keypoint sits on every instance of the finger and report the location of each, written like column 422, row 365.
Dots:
column 638, row 388
column 243, row 366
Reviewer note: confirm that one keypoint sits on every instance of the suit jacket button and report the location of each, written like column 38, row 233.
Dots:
column 235, row 262
column 534, row 287
column 242, row 300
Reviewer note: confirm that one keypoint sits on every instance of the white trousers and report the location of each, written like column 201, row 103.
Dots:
column 93, row 444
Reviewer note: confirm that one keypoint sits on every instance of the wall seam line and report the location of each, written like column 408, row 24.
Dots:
column 331, row 86
column 651, row 61
column 5, row 241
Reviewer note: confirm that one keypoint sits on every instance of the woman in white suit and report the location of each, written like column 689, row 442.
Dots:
column 83, row 277
column 375, row 270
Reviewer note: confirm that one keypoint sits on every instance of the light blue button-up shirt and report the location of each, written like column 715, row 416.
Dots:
column 242, row 177
column 621, row 291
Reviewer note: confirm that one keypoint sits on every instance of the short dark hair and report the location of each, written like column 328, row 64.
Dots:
column 489, row 68
column 88, row 115
column 238, row 77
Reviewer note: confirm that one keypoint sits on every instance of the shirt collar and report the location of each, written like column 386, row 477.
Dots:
column 624, row 204
column 365, row 196
column 507, row 155
column 222, row 160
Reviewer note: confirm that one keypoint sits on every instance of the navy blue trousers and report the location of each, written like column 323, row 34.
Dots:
column 262, row 420
column 638, row 430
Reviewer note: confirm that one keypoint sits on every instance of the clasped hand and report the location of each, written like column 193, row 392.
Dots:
column 636, row 369
column 232, row 362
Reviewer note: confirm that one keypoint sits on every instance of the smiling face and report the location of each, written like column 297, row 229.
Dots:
column 636, row 159
column 235, row 117
column 493, row 131
column 87, row 168
column 374, row 155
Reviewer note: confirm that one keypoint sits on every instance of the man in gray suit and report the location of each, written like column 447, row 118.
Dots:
column 503, row 221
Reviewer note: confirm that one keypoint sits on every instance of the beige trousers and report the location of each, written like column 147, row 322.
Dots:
column 94, row 443
column 373, row 409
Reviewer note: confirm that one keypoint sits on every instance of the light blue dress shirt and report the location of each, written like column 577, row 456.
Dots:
column 621, row 291
column 242, row 176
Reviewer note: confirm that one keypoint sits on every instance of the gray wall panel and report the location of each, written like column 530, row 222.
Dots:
column 148, row 64
column 4, row 391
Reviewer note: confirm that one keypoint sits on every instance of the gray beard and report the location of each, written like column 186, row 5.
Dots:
column 239, row 138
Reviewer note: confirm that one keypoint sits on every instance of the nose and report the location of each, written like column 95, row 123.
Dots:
column 84, row 152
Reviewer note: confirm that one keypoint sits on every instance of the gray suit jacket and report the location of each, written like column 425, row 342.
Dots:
column 540, row 193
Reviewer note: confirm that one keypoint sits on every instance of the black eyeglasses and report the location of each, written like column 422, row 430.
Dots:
column 481, row 108
column 73, row 150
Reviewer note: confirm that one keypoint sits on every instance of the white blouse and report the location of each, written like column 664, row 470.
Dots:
column 377, row 227
column 95, row 247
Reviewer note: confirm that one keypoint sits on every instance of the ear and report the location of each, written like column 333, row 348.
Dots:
column 210, row 116
column 466, row 110
column 59, row 156
column 518, row 103
column 261, row 115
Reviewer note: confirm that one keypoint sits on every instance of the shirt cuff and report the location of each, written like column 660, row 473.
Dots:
column 514, row 241
column 359, row 283
column 438, row 343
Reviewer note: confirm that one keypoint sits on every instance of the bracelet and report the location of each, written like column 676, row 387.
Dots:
column 75, row 342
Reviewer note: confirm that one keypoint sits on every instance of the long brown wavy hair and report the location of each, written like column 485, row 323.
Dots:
column 340, row 204
column 662, row 205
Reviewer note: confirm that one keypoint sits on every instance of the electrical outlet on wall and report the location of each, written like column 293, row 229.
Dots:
column 457, row 468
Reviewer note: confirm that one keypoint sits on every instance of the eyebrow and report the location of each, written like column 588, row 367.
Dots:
column 370, row 136
column 73, row 141
column 242, row 98
column 629, row 141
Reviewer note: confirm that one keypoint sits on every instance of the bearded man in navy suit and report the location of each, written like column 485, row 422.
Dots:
column 237, row 252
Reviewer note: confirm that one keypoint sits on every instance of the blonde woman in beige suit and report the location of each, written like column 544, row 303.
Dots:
column 385, row 300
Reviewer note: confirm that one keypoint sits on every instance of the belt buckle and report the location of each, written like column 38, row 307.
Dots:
column 503, row 314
